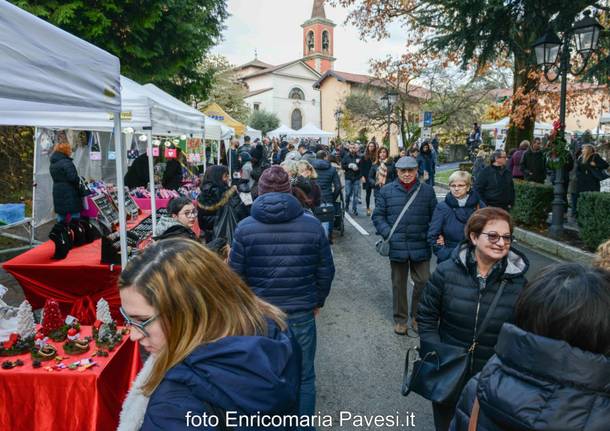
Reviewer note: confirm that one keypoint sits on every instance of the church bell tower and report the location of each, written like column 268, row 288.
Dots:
column 318, row 39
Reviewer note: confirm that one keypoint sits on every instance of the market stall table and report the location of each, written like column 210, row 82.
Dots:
column 144, row 203
column 76, row 282
column 36, row 399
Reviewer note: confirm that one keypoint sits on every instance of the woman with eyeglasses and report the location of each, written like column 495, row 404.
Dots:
column 216, row 350
column 179, row 221
column 450, row 216
column 459, row 293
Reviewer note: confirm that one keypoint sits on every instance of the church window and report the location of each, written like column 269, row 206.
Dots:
column 257, row 106
column 310, row 42
column 296, row 94
column 325, row 41
column 296, row 120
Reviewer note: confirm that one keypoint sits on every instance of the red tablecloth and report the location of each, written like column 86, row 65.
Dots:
column 144, row 203
column 77, row 282
column 35, row 399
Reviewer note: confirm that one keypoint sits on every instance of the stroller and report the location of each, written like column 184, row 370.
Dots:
column 339, row 222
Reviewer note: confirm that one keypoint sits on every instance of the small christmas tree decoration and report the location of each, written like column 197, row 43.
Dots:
column 103, row 311
column 41, row 350
column 52, row 321
column 26, row 326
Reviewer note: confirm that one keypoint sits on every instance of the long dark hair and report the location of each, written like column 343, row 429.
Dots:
column 371, row 155
column 568, row 302
column 213, row 175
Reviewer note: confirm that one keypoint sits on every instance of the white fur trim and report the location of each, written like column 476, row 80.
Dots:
column 135, row 404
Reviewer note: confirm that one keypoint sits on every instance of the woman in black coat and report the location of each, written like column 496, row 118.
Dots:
column 460, row 291
column 172, row 177
column 382, row 172
column 215, row 194
column 66, row 196
column 588, row 162
column 370, row 158
column 551, row 370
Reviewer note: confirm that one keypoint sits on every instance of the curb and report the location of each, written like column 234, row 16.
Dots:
column 549, row 246
column 554, row 248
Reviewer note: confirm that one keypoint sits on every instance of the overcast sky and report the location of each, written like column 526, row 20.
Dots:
column 273, row 27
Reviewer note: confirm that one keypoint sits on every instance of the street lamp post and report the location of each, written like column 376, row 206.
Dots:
column 389, row 100
column 338, row 117
column 547, row 48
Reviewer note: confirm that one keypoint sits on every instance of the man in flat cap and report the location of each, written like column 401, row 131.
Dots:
column 408, row 247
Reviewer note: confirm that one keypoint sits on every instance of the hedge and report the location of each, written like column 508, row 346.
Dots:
column 594, row 218
column 532, row 203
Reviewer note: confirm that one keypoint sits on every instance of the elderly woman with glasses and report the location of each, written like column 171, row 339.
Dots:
column 179, row 221
column 450, row 216
column 458, row 296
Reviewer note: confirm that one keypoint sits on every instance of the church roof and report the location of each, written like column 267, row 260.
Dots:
column 318, row 9
column 278, row 67
column 256, row 92
column 255, row 63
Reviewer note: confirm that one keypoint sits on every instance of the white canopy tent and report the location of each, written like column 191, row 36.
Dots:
column 253, row 133
column 281, row 131
column 44, row 69
column 504, row 124
column 311, row 131
column 605, row 118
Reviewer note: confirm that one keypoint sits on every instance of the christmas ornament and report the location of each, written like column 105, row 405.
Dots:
column 105, row 329
column 52, row 321
column 26, row 326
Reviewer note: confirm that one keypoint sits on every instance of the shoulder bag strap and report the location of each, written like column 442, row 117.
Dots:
column 404, row 210
column 491, row 309
column 474, row 416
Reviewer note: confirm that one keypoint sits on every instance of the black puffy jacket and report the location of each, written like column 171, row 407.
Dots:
column 495, row 186
column 328, row 180
column 348, row 159
column 137, row 173
column 448, row 307
column 212, row 199
column 538, row 383
column 409, row 241
column 172, row 177
column 66, row 198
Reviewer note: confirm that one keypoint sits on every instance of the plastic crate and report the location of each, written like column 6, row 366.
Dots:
column 11, row 213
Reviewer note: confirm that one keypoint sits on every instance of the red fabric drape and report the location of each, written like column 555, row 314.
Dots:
column 40, row 400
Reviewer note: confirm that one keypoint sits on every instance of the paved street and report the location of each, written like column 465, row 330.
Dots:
column 360, row 360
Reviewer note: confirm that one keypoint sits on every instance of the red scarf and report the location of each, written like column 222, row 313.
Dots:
column 408, row 186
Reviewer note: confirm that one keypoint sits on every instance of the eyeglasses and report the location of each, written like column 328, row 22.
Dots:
column 190, row 213
column 494, row 237
column 141, row 326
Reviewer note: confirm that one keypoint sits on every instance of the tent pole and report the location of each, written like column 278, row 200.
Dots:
column 118, row 147
column 205, row 156
column 35, row 165
column 151, row 176
column 218, row 152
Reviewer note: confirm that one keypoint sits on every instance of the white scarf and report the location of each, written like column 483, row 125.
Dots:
column 135, row 404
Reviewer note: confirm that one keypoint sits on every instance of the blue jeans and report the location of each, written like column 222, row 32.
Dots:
column 352, row 191
column 326, row 226
column 61, row 218
column 303, row 327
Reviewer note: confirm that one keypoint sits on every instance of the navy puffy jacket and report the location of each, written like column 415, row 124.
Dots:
column 328, row 180
column 242, row 374
column 449, row 220
column 66, row 198
column 538, row 383
column 409, row 241
column 283, row 255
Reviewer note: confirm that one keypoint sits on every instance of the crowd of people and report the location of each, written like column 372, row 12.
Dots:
column 229, row 317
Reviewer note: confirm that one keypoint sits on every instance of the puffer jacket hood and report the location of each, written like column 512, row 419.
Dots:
column 514, row 265
column 320, row 164
column 165, row 222
column 538, row 383
column 245, row 374
column 274, row 207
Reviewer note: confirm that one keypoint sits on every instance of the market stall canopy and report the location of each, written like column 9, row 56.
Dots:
column 504, row 124
column 281, row 131
column 46, row 68
column 215, row 130
column 135, row 113
column 311, row 131
column 253, row 133
column 216, row 112
column 183, row 118
column 605, row 118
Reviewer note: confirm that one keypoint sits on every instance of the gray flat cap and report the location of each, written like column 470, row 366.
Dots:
column 406, row 163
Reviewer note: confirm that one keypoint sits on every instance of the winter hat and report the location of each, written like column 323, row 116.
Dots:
column 274, row 179
column 245, row 156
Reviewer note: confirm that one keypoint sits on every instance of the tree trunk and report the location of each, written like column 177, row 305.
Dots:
column 522, row 79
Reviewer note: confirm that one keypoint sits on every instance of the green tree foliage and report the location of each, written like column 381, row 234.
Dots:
column 16, row 158
column 264, row 121
column 157, row 41
column 226, row 89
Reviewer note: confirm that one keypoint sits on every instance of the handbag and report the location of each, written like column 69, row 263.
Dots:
column 599, row 174
column 440, row 373
column 83, row 187
column 383, row 245
column 325, row 212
